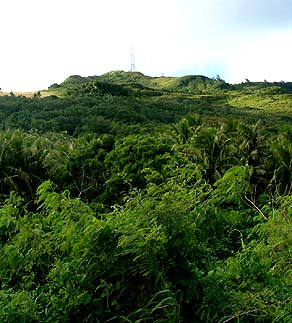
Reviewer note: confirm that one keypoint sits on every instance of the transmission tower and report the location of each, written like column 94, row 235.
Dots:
column 132, row 60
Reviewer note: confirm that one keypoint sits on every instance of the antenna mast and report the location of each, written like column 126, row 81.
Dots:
column 132, row 60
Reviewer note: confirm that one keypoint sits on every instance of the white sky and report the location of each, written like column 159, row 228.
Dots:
column 45, row 41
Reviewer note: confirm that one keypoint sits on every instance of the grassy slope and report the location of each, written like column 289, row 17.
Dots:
column 277, row 103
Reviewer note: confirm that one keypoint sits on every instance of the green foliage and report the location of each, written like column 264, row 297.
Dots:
column 78, row 266
column 233, row 186
column 21, row 167
column 255, row 285
column 282, row 153
column 129, row 159
column 137, row 199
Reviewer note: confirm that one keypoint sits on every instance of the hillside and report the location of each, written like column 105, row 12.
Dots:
column 195, row 84
column 185, row 84
column 130, row 198
column 125, row 102
column 267, row 97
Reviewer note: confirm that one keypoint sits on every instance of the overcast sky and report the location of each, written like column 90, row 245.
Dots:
column 45, row 41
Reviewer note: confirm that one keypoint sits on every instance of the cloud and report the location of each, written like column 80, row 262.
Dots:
column 43, row 42
column 263, row 13
column 238, row 14
column 262, row 58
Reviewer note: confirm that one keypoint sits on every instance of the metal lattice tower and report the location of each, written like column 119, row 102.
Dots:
column 132, row 60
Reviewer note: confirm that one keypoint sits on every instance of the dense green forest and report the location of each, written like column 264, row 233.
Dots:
column 129, row 198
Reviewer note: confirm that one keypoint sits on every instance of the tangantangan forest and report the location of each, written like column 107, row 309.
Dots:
column 129, row 198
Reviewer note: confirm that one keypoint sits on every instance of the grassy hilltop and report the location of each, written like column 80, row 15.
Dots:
column 267, row 96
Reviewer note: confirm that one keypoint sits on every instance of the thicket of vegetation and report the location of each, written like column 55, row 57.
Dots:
column 152, row 205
